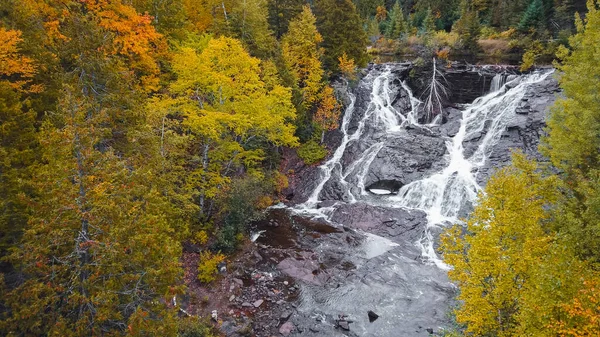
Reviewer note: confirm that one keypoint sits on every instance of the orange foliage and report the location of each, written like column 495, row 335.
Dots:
column 582, row 315
column 347, row 66
column 13, row 65
column 328, row 113
column 134, row 38
column 381, row 13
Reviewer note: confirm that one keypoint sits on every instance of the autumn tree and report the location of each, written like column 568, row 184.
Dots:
column 342, row 30
column 230, row 112
column 99, row 252
column 508, row 263
column 301, row 53
column 17, row 137
column 573, row 141
column 397, row 24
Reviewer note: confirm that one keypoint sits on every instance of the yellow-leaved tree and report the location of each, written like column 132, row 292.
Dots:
column 301, row 53
column 510, row 269
column 232, row 114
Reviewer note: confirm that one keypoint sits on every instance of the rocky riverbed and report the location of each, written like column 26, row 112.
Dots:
column 354, row 250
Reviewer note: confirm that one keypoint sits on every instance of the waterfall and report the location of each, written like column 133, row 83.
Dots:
column 497, row 82
column 440, row 195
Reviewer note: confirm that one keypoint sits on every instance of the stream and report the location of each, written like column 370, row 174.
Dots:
column 391, row 186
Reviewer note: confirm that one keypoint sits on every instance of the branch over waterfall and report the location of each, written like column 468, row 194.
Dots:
column 436, row 92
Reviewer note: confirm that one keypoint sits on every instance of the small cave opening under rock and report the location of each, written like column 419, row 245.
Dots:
column 385, row 187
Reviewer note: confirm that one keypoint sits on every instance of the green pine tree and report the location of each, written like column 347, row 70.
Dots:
column 342, row 31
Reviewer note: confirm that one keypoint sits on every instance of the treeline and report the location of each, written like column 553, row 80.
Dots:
column 130, row 126
column 528, row 261
column 492, row 27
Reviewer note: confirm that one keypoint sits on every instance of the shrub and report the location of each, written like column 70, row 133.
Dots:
column 244, row 203
column 494, row 47
column 312, row 152
column 207, row 266
column 194, row 327
column 201, row 237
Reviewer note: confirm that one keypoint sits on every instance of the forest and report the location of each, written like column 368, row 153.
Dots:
column 132, row 127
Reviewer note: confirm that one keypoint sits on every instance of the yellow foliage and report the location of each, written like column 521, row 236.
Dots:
column 207, row 266
column 347, row 66
column 301, row 53
column 263, row 202
column 201, row 237
column 328, row 113
column 503, row 256
column 531, row 55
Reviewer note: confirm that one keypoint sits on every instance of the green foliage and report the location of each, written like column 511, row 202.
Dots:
column 18, row 152
column 312, row 152
column 429, row 22
column 194, row 327
column 397, row 25
column 342, row 30
column 248, row 22
column 245, row 202
column 534, row 16
column 281, row 12
column 468, row 28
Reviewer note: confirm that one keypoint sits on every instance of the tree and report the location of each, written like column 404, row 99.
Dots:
column 281, row 12
column 573, row 141
column 301, row 54
column 248, row 21
column 468, row 27
column 397, row 25
column 328, row 112
column 508, row 264
column 17, row 137
column 534, row 16
column 368, row 8
column 429, row 22
column 342, row 30
column 230, row 112
column 168, row 16
column 99, row 253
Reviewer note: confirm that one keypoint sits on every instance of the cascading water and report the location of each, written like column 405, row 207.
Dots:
column 400, row 277
column 444, row 194
column 498, row 82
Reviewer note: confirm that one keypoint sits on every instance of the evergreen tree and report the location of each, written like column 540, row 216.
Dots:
column 468, row 27
column 342, row 30
column 534, row 16
column 397, row 25
column 281, row 12
column 248, row 23
column 368, row 8
column 429, row 22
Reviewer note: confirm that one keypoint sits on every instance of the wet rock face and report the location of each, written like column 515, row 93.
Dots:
column 395, row 223
column 407, row 158
column 372, row 255
column 524, row 130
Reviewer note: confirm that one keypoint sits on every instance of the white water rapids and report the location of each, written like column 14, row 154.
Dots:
column 441, row 195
